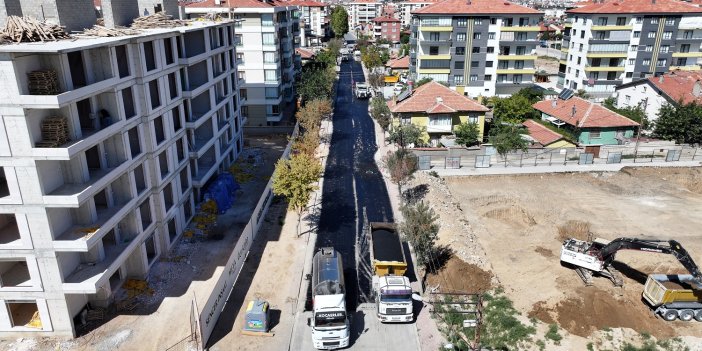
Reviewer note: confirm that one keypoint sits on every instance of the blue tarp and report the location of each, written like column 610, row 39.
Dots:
column 222, row 190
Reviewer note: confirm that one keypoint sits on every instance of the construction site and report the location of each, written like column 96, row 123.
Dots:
column 507, row 232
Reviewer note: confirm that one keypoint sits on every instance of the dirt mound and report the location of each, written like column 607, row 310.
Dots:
column 573, row 229
column 596, row 309
column 458, row 276
column 541, row 312
column 544, row 252
column 514, row 215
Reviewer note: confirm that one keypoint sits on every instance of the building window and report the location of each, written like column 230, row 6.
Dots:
column 458, row 79
column 272, row 110
column 238, row 40
column 434, row 36
column 595, row 134
column 462, row 22
column 269, row 57
column 458, row 65
column 602, row 21
column 568, row 70
column 662, row 62
column 268, row 38
column 241, row 75
column 577, row 73
column 478, row 21
column 570, row 57
column 267, row 20
column 461, row 37
column 654, row 20
column 488, row 77
column 667, row 35
column 474, row 64
column 632, row 62
column 633, row 48
column 488, row 63
column 629, row 74
column 476, row 49
column 519, row 64
column 670, row 22
column 582, row 35
column 473, row 77
column 460, row 50
column 578, row 60
column 517, row 79
column 685, row 48
column 491, row 35
column 490, row 49
column 477, row 35
column 665, row 48
column 646, row 62
column 682, row 61
column 272, row 93
column 649, row 48
column 433, row 50
column 651, row 35
column 493, row 20
column 639, row 20
column 637, row 34
column 621, row 21
column 244, row 111
column 580, row 49
column 270, row 75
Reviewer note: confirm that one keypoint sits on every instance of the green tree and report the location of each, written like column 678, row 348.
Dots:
column 339, row 21
column 316, row 81
column 501, row 330
column 371, row 58
column 635, row 113
column 422, row 81
column 467, row 134
column 334, row 46
column 582, row 93
column 420, row 228
column 376, row 80
column 514, row 109
column 294, row 179
column 404, row 38
column 406, row 134
column 380, row 112
column 404, row 50
column 532, row 94
column 401, row 164
column 508, row 138
column 682, row 123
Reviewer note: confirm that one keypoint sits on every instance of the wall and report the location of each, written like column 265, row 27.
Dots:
column 119, row 12
column 560, row 144
column 607, row 136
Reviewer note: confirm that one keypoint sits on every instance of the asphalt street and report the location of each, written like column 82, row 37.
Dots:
column 352, row 182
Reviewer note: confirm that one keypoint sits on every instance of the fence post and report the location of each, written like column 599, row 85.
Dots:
column 694, row 154
column 536, row 158
column 652, row 152
column 565, row 158
column 550, row 158
column 521, row 157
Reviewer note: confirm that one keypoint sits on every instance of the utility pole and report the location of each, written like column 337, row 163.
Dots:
column 638, row 134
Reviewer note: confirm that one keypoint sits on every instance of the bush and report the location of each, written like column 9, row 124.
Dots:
column 552, row 334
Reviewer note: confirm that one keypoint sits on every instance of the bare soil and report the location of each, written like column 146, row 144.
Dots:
column 513, row 228
column 458, row 276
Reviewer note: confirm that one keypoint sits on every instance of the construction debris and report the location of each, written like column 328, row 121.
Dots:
column 157, row 20
column 54, row 133
column 101, row 31
column 96, row 314
column 136, row 287
column 35, row 322
column 43, row 82
column 27, row 29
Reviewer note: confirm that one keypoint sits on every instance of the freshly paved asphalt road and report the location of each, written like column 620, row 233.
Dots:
column 352, row 182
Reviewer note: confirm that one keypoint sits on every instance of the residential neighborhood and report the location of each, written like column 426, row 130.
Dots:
column 350, row 174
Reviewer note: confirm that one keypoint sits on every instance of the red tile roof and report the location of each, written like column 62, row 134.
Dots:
column 679, row 85
column 385, row 19
column 308, row 3
column 402, row 62
column 426, row 99
column 305, row 54
column 226, row 3
column 587, row 114
column 637, row 6
column 460, row 7
column 541, row 134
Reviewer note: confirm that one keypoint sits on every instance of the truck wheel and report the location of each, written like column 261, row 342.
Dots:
column 670, row 315
column 698, row 315
column 686, row 315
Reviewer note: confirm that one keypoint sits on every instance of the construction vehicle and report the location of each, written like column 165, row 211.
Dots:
column 330, row 327
column 674, row 296
column 392, row 290
column 362, row 91
column 596, row 256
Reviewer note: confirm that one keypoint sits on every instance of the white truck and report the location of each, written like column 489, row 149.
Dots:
column 362, row 91
column 391, row 288
column 330, row 326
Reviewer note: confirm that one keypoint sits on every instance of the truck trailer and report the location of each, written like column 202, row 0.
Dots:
column 330, row 325
column 674, row 296
column 391, row 288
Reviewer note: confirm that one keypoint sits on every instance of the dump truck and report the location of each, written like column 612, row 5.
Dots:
column 674, row 296
column 362, row 91
column 330, row 326
column 391, row 288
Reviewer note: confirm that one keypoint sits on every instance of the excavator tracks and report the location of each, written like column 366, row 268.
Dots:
column 584, row 274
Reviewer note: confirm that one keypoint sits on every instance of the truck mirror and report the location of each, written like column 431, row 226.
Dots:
column 309, row 322
column 417, row 297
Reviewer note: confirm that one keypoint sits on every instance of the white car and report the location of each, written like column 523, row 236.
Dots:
column 398, row 87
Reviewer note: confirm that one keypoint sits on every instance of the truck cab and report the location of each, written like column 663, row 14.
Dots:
column 362, row 91
column 329, row 322
column 393, row 298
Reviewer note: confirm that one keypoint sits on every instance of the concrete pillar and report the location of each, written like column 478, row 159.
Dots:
column 9, row 8
column 119, row 12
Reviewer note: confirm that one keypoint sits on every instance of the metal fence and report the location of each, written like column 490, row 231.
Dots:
column 450, row 159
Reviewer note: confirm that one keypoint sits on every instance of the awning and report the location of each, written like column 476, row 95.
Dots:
column 391, row 79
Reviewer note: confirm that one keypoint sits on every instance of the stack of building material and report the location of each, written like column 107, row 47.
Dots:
column 54, row 132
column 44, row 82
column 101, row 31
column 23, row 29
column 157, row 20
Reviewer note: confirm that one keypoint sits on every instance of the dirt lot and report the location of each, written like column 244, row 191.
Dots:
column 507, row 226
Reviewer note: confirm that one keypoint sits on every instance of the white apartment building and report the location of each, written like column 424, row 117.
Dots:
column 480, row 48
column 608, row 43
column 313, row 20
column 362, row 11
column 101, row 172
column 405, row 8
column 267, row 35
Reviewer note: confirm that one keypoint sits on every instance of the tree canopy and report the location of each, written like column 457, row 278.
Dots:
column 467, row 134
column 294, row 179
column 635, row 113
column 380, row 112
column 401, row 164
column 681, row 123
column 514, row 109
column 507, row 138
column 405, row 135
column 420, row 228
column 339, row 21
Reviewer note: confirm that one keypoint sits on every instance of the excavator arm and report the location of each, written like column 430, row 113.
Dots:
column 606, row 253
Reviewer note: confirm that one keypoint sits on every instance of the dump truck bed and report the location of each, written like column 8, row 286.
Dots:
column 386, row 250
column 663, row 289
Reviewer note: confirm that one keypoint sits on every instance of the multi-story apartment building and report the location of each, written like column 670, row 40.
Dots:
column 313, row 20
column 405, row 9
column 608, row 43
column 103, row 154
column 362, row 12
column 479, row 47
column 267, row 35
column 387, row 28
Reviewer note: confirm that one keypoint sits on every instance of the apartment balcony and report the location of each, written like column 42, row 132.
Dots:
column 686, row 68
column 612, row 27
column 619, row 68
column 427, row 42
column 684, row 38
column 206, row 167
column 516, row 57
column 435, row 57
column 520, row 28
column 413, row 41
column 436, row 28
column 274, row 117
column 606, row 54
column 530, row 71
column 587, row 82
column 434, row 71
column 687, row 54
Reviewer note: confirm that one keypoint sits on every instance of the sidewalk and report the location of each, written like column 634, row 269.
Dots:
column 497, row 169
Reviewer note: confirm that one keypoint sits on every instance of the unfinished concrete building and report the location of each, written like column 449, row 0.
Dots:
column 75, row 15
column 104, row 146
